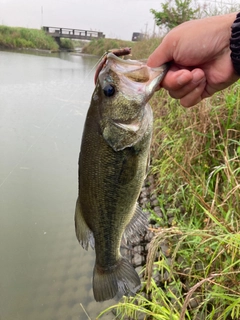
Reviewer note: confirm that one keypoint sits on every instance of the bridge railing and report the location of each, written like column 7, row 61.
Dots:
column 72, row 33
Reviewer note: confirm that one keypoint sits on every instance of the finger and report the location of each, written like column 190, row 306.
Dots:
column 160, row 55
column 194, row 97
column 197, row 77
column 175, row 79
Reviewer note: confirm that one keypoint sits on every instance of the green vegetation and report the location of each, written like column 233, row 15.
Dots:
column 196, row 165
column 67, row 44
column 140, row 49
column 175, row 12
column 99, row 46
column 14, row 38
column 23, row 38
column 173, row 15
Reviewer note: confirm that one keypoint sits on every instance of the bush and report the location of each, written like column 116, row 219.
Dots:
column 66, row 44
column 11, row 37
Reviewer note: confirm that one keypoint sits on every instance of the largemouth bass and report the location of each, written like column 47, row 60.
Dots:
column 112, row 166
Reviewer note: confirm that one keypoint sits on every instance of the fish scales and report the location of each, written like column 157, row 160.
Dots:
column 113, row 171
column 112, row 166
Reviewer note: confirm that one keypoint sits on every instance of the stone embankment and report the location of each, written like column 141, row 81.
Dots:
column 137, row 252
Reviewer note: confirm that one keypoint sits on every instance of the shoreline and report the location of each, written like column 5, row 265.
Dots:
column 46, row 51
column 2, row 48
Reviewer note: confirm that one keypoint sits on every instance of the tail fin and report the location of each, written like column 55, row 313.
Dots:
column 121, row 279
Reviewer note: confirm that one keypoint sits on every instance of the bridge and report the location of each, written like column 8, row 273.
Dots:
column 70, row 33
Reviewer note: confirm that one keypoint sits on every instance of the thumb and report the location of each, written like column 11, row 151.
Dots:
column 160, row 55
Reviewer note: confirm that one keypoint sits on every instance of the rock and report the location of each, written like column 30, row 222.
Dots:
column 158, row 211
column 137, row 260
column 154, row 203
column 170, row 221
column 165, row 249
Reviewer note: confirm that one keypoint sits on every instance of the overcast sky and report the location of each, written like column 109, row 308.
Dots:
column 115, row 18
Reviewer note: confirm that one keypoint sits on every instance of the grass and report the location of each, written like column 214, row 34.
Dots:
column 19, row 38
column 99, row 46
column 140, row 50
column 67, row 44
column 15, row 37
column 195, row 160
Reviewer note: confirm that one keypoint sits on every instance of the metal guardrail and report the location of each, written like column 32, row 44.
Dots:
column 70, row 33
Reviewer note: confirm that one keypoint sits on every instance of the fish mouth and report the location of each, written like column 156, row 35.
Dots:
column 136, row 75
column 136, row 71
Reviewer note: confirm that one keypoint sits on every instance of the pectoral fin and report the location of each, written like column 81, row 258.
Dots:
column 83, row 233
column 137, row 226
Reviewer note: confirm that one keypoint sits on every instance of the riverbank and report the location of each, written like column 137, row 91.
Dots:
column 192, row 262
column 140, row 49
column 35, row 39
column 24, row 38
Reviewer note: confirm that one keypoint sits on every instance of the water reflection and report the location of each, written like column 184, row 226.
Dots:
column 45, row 274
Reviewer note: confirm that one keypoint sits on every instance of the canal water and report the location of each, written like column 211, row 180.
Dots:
column 44, row 272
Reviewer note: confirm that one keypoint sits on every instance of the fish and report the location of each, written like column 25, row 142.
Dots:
column 112, row 166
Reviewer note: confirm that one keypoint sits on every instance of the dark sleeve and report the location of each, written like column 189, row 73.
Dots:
column 235, row 44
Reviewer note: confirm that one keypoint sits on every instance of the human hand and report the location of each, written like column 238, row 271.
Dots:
column 200, row 59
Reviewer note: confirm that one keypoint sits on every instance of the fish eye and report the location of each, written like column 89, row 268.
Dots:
column 109, row 90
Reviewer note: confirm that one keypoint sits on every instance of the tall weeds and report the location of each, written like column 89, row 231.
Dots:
column 100, row 46
column 140, row 50
column 14, row 38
